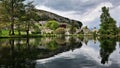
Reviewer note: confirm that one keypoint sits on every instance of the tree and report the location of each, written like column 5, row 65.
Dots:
column 108, row 24
column 20, row 16
column 11, row 11
column 31, row 16
column 4, row 20
column 52, row 24
column 16, row 12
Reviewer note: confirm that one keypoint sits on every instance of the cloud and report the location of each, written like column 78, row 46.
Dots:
column 69, row 5
column 86, row 11
column 61, row 13
column 92, row 16
column 114, row 13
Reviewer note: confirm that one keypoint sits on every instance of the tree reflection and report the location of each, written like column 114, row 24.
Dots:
column 22, row 52
column 13, row 55
column 107, row 47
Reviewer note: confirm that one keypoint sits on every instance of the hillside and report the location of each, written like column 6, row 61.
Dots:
column 45, row 15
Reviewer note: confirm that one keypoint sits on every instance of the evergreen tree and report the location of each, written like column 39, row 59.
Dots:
column 108, row 24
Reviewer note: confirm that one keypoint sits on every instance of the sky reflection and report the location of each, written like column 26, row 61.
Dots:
column 84, row 57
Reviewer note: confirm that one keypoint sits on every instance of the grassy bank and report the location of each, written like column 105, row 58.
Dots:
column 5, row 34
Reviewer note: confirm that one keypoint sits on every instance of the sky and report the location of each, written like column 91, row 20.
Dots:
column 86, row 11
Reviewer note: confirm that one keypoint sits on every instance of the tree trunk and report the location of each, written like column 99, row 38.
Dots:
column 28, row 29
column 12, row 17
column 19, row 33
column 12, row 28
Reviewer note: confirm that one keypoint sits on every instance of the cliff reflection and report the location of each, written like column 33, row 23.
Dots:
column 22, row 52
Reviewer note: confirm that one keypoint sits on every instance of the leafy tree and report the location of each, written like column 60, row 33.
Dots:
column 52, row 24
column 108, row 24
column 15, row 12
column 31, row 16
column 20, row 16
column 11, row 10
column 3, row 20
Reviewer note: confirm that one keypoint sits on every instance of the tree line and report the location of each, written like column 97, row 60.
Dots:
column 16, row 12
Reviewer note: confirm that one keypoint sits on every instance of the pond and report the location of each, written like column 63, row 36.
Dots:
column 60, row 52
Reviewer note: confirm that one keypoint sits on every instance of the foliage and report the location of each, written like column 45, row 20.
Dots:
column 60, row 31
column 10, row 11
column 17, row 14
column 7, row 16
column 107, row 45
column 108, row 24
column 52, row 24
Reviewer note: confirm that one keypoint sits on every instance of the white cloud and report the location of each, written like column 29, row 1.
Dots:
column 87, row 15
column 68, row 14
column 84, row 51
column 93, row 14
column 115, row 14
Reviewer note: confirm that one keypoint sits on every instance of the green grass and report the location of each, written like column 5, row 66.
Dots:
column 6, row 33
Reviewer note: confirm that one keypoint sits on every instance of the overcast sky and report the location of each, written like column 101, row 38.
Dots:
column 86, row 11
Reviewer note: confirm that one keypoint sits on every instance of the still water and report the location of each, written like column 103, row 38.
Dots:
column 60, row 52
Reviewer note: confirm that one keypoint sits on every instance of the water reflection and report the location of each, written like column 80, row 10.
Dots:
column 24, row 52
column 108, row 45
column 15, row 55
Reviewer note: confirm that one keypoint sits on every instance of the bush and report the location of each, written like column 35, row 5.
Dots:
column 60, row 31
column 52, row 24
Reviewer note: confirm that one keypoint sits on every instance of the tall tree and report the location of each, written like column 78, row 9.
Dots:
column 30, row 16
column 108, row 24
column 11, row 11
column 20, row 13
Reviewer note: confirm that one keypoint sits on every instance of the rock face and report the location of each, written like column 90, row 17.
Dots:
column 45, row 16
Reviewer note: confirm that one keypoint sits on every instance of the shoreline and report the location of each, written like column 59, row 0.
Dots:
column 55, row 35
